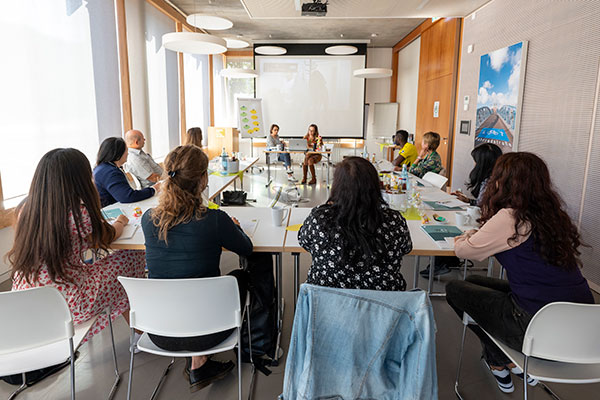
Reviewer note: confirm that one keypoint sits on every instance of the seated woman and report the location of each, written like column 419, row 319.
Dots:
column 193, row 136
column 485, row 156
column 273, row 142
column 312, row 141
column 428, row 159
column 408, row 151
column 184, row 240
column 526, row 227
column 356, row 241
column 110, row 179
column 58, row 222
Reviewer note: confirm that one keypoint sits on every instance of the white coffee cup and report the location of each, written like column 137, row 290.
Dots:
column 278, row 214
column 474, row 212
column 462, row 218
column 279, row 147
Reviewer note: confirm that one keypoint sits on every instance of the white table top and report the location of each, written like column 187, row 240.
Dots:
column 297, row 216
column 267, row 237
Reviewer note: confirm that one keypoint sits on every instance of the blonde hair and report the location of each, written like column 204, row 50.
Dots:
column 180, row 198
column 432, row 140
column 193, row 136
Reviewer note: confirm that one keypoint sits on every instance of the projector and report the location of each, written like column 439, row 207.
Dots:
column 314, row 9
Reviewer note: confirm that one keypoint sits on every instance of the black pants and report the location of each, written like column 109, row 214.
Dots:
column 489, row 302
column 200, row 343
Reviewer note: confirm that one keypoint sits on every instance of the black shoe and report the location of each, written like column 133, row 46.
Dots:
column 437, row 271
column 208, row 373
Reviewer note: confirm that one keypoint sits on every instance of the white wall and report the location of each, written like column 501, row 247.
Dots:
column 408, row 85
column 377, row 91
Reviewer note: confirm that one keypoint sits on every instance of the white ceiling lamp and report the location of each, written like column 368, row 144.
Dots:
column 341, row 50
column 372, row 73
column 210, row 22
column 236, row 43
column 241, row 73
column 194, row 43
column 270, row 50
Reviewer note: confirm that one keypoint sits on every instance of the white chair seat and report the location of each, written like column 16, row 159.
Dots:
column 145, row 344
column 552, row 371
column 42, row 357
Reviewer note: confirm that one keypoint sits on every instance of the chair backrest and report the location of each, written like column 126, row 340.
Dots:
column 183, row 307
column 566, row 332
column 32, row 318
column 133, row 181
column 436, row 180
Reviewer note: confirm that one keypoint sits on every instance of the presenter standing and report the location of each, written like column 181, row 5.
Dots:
column 313, row 140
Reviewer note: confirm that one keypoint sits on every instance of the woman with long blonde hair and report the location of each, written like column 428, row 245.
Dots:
column 184, row 239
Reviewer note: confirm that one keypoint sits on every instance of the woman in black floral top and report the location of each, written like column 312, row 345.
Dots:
column 356, row 241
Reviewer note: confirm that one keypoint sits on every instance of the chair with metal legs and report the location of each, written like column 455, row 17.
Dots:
column 165, row 307
column 37, row 332
column 560, row 345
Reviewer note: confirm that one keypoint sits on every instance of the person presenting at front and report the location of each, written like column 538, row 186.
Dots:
column 527, row 229
column 110, row 179
column 428, row 159
column 408, row 151
column 184, row 239
column 274, row 142
column 356, row 241
column 139, row 163
column 312, row 141
column 58, row 222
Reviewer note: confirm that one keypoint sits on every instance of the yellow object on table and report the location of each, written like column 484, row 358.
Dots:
column 213, row 206
column 412, row 214
column 294, row 228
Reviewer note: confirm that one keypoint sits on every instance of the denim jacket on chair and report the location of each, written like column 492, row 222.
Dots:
column 355, row 344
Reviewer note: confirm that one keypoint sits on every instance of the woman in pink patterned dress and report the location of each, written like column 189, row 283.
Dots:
column 59, row 221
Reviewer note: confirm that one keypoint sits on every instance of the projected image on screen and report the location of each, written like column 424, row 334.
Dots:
column 301, row 90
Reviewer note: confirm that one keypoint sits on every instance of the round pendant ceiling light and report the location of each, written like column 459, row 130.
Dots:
column 238, row 73
column 210, row 22
column 236, row 43
column 372, row 73
column 341, row 50
column 194, row 43
column 270, row 50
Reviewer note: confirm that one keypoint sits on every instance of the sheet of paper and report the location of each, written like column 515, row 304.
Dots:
column 385, row 165
column 249, row 226
column 128, row 231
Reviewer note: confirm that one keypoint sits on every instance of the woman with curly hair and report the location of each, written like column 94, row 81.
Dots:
column 525, row 226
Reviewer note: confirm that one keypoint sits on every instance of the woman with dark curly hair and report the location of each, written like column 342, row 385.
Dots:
column 526, row 227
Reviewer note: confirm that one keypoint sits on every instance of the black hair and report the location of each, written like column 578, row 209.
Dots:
column 401, row 134
column 485, row 156
column 359, row 207
column 111, row 150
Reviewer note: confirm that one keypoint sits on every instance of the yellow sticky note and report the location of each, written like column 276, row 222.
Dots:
column 294, row 228
column 254, row 117
column 253, row 111
column 255, row 123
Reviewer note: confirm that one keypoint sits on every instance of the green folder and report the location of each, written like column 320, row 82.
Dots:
column 439, row 233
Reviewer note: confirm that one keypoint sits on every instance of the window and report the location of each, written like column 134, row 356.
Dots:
column 60, row 83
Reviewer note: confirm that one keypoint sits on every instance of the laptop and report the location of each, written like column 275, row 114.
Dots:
column 297, row 145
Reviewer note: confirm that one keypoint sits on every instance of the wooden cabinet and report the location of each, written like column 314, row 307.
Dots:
column 222, row 137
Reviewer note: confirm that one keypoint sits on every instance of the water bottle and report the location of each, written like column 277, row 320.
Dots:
column 224, row 158
column 404, row 178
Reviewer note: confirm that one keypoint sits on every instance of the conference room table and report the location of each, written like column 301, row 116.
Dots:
column 327, row 153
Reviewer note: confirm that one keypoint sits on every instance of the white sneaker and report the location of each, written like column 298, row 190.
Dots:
column 291, row 178
column 289, row 171
column 519, row 374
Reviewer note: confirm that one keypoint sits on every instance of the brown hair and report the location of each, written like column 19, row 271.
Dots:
column 180, row 198
column 432, row 139
column 62, row 183
column 521, row 181
column 273, row 126
column 193, row 136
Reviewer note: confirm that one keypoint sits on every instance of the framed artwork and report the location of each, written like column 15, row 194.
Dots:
column 465, row 127
column 499, row 96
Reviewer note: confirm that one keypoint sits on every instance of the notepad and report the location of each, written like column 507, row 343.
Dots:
column 249, row 226
column 439, row 233
column 437, row 206
column 112, row 214
column 129, row 231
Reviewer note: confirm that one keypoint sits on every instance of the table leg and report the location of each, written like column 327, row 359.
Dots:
column 296, row 277
column 217, row 199
column 328, row 159
column 268, row 162
column 416, row 278
column 490, row 266
column 431, row 268
column 278, row 283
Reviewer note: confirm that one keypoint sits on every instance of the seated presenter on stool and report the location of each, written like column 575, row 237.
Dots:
column 275, row 143
column 529, row 232
column 312, row 142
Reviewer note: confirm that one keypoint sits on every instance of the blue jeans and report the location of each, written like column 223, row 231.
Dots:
column 285, row 157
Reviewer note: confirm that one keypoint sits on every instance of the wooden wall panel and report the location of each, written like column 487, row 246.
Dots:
column 438, row 68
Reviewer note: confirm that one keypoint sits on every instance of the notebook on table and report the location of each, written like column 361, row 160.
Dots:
column 439, row 234
column 439, row 206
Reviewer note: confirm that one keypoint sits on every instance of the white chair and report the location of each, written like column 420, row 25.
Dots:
column 436, row 180
column 37, row 332
column 183, row 308
column 560, row 345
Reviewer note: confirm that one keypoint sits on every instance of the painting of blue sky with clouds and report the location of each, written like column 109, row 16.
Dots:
column 498, row 97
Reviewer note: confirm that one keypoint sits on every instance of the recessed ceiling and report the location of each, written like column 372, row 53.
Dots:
column 275, row 20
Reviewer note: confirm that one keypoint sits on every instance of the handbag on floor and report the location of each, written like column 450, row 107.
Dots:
column 234, row 198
